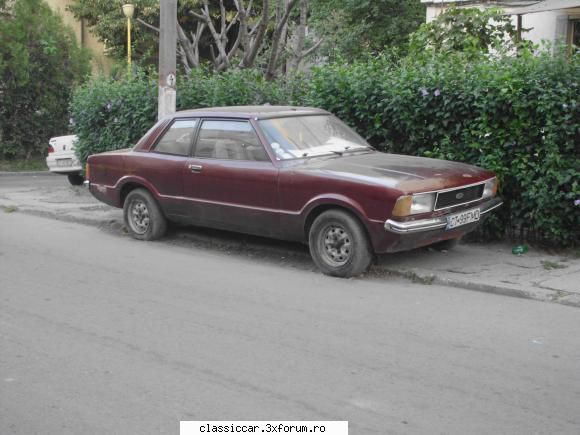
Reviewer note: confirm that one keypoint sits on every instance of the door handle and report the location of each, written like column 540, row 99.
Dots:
column 195, row 168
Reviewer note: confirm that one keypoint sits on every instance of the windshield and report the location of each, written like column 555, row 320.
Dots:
column 307, row 136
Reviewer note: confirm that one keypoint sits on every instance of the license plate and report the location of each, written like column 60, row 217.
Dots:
column 463, row 218
column 63, row 162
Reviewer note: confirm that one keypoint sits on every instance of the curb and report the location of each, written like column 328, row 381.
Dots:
column 537, row 294
column 11, row 174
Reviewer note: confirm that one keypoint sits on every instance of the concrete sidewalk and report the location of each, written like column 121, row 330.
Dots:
column 493, row 268
column 489, row 268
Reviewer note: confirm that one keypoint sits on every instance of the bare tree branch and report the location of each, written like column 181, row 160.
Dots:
column 156, row 29
column 256, row 40
column 311, row 49
column 273, row 61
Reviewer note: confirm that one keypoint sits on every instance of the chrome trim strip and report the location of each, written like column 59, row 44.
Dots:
column 414, row 226
column 452, row 188
column 491, row 208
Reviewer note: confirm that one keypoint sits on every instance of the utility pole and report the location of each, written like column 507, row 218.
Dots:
column 167, row 55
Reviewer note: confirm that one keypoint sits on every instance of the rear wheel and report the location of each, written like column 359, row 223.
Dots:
column 339, row 245
column 143, row 216
column 75, row 179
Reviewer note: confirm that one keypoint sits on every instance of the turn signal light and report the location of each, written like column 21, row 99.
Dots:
column 403, row 206
column 87, row 172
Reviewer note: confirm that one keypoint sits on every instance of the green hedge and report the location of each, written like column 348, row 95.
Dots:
column 518, row 116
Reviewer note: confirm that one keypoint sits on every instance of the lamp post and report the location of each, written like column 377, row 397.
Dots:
column 128, row 10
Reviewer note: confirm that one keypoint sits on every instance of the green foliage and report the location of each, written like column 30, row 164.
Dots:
column 40, row 63
column 231, row 88
column 518, row 116
column 110, row 115
column 467, row 30
column 352, row 27
column 110, row 25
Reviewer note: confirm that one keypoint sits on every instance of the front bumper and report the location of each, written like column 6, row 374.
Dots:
column 440, row 222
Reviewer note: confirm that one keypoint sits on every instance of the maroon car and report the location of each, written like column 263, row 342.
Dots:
column 290, row 173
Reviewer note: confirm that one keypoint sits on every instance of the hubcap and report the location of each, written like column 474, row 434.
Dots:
column 139, row 217
column 336, row 244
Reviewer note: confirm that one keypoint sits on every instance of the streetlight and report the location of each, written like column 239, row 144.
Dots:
column 128, row 10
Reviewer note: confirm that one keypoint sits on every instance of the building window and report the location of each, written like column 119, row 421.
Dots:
column 575, row 33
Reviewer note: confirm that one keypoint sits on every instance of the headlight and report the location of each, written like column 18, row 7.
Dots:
column 414, row 204
column 490, row 188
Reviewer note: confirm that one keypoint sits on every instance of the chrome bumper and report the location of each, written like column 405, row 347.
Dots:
column 86, row 184
column 429, row 224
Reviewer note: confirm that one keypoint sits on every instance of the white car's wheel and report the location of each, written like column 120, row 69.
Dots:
column 75, row 179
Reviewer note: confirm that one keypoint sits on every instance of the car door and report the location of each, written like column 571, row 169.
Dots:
column 164, row 165
column 230, row 181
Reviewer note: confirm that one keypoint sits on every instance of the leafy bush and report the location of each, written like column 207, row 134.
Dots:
column 468, row 30
column 518, row 116
column 40, row 63
column 234, row 87
column 110, row 115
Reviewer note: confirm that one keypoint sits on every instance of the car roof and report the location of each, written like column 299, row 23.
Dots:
column 258, row 112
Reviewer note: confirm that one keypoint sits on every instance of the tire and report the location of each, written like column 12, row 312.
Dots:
column 339, row 244
column 75, row 179
column 143, row 216
column 446, row 245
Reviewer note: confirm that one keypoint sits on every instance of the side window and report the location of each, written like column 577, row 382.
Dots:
column 234, row 140
column 177, row 139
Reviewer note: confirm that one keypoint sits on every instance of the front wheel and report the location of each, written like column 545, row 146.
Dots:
column 339, row 244
column 143, row 216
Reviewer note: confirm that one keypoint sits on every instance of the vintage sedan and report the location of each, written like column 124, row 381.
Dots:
column 291, row 173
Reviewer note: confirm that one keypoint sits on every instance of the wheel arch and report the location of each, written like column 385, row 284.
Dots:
column 320, row 207
column 128, row 184
column 128, row 187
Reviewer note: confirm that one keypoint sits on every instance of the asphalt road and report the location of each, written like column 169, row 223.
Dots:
column 29, row 181
column 102, row 334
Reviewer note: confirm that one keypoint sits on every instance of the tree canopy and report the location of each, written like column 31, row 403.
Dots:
column 273, row 34
column 40, row 63
column 355, row 27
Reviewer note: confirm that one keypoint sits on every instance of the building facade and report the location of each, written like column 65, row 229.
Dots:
column 100, row 63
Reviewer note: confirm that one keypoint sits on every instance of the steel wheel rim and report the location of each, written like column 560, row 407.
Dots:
column 139, row 217
column 335, row 245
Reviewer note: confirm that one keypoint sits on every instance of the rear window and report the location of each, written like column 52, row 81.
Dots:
column 177, row 139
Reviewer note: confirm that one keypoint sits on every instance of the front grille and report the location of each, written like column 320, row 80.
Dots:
column 458, row 196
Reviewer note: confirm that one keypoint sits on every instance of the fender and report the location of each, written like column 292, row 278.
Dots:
column 133, row 179
column 334, row 199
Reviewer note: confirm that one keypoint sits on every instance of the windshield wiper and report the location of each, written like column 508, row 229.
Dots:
column 358, row 148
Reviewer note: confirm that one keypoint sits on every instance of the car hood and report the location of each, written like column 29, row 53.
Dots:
column 406, row 173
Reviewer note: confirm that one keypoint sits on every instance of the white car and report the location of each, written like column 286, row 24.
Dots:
column 62, row 159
